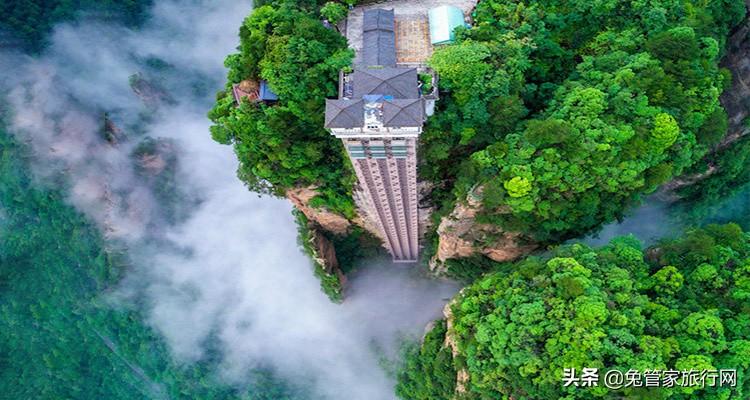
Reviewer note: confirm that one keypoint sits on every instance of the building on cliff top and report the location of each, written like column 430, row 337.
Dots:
column 379, row 116
column 253, row 91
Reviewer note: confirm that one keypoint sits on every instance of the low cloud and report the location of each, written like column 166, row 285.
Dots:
column 648, row 222
column 229, row 268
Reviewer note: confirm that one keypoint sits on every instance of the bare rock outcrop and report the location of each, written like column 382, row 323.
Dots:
column 668, row 191
column 112, row 133
column 154, row 157
column 150, row 92
column 460, row 235
column 325, row 255
column 153, row 163
column 328, row 220
column 331, row 221
column 462, row 375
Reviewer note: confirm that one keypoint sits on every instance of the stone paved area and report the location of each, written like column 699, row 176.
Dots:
column 412, row 40
column 411, row 21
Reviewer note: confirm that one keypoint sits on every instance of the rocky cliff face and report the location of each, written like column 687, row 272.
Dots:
column 327, row 220
column 333, row 222
column 320, row 220
column 323, row 252
column 112, row 133
column 461, row 236
column 462, row 375
column 150, row 92
column 325, row 255
column 736, row 101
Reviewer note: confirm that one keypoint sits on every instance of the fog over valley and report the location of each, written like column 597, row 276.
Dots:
column 374, row 200
column 214, row 268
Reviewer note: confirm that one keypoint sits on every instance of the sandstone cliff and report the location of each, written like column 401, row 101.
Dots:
column 327, row 220
column 736, row 101
column 320, row 219
column 149, row 91
column 111, row 132
column 324, row 254
column 461, row 236
column 462, row 375
column 322, row 251
column 333, row 222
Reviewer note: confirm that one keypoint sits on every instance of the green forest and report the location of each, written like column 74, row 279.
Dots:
column 285, row 145
column 558, row 116
column 31, row 21
column 59, row 336
column 681, row 304
column 567, row 113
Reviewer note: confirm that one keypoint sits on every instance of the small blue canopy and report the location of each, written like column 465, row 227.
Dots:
column 265, row 92
column 443, row 21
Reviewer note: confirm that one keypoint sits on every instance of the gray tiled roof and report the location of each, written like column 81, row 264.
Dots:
column 396, row 113
column 401, row 83
column 344, row 113
column 378, row 19
column 379, row 38
column 392, row 93
column 400, row 113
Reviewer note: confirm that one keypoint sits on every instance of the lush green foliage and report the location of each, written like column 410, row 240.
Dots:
column 681, row 305
column 284, row 144
column 32, row 20
column 334, row 12
column 469, row 269
column 330, row 284
column 558, row 115
column 427, row 372
column 567, row 112
column 59, row 337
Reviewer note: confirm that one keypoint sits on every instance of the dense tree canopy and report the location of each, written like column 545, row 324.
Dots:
column 560, row 115
column 428, row 372
column 567, row 112
column 682, row 304
column 32, row 20
column 284, row 144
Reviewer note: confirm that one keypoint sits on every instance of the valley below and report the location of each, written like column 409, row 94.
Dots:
column 141, row 259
